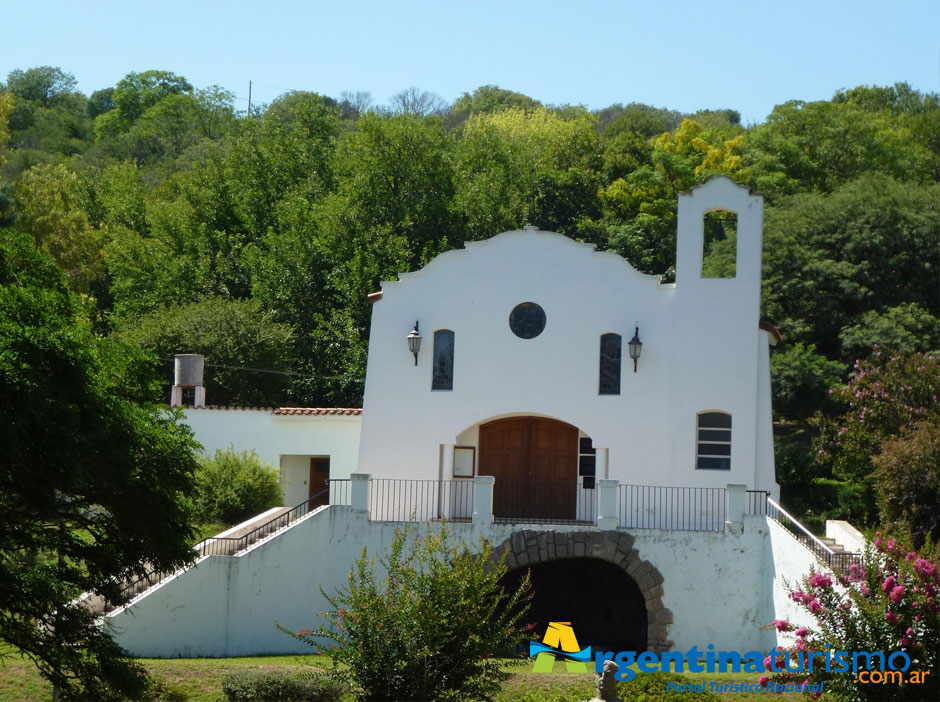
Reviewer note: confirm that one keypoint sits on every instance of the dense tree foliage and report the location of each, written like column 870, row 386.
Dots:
column 91, row 481
column 154, row 195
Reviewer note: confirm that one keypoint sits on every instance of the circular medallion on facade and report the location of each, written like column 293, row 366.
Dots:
column 527, row 320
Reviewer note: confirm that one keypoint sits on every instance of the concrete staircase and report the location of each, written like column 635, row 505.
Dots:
column 228, row 543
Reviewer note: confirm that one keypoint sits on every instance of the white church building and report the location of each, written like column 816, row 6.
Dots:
column 609, row 432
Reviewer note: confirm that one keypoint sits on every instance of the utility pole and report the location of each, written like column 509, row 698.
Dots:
column 249, row 98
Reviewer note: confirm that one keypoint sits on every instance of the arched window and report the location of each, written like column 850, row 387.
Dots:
column 443, row 368
column 713, row 443
column 609, row 376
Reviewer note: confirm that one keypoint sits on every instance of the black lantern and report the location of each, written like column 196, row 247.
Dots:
column 414, row 342
column 635, row 346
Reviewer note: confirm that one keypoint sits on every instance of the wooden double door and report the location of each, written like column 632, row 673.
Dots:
column 535, row 463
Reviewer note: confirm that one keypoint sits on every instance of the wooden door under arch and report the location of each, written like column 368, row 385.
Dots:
column 535, row 463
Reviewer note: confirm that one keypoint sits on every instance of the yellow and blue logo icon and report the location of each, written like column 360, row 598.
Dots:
column 559, row 641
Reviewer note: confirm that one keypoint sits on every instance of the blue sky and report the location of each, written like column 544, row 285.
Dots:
column 683, row 55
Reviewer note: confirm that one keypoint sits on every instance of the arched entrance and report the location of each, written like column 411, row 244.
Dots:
column 604, row 604
column 535, row 463
column 529, row 549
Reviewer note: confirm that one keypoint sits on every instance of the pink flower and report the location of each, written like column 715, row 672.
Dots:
column 864, row 589
column 905, row 641
column 304, row 632
column 815, row 607
column 911, row 555
column 763, row 680
column 801, row 632
column 781, row 624
column 889, row 583
column 891, row 617
column 819, row 580
column 909, row 632
column 897, row 593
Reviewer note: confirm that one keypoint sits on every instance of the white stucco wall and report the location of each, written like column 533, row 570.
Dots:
column 786, row 561
column 717, row 586
column 285, row 441
column 702, row 350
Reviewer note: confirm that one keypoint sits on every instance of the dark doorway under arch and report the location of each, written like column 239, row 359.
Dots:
column 604, row 605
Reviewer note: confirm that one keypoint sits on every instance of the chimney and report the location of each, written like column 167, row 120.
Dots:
column 188, row 374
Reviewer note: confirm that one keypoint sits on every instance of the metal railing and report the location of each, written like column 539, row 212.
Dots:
column 836, row 560
column 340, row 492
column 757, row 502
column 394, row 500
column 534, row 502
column 678, row 508
column 230, row 545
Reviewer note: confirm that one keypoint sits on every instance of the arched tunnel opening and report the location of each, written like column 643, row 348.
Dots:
column 604, row 605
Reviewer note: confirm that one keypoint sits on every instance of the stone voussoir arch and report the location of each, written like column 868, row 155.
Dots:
column 528, row 547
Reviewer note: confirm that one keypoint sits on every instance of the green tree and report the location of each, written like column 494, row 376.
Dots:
column 246, row 350
column 517, row 167
column 427, row 625
column 43, row 85
column 907, row 482
column 93, row 474
column 49, row 208
column 888, row 394
column 488, row 99
column 906, row 328
column 133, row 95
column 831, row 258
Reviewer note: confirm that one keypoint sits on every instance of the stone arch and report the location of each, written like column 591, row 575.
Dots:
column 528, row 547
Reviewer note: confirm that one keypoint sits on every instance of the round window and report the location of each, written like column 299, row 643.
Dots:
column 527, row 320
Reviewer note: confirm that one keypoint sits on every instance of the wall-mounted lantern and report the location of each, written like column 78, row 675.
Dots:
column 636, row 346
column 414, row 342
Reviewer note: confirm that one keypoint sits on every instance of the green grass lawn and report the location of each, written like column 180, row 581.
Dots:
column 200, row 680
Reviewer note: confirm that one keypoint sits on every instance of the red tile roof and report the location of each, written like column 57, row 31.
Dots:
column 320, row 411
column 281, row 411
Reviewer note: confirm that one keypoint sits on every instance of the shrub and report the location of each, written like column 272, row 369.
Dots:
column 651, row 687
column 429, row 628
column 265, row 686
column 233, row 486
column 887, row 603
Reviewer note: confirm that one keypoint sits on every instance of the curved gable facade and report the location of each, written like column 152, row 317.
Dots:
column 702, row 352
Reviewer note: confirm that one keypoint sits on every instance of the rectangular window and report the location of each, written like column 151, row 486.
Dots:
column 443, row 364
column 609, row 381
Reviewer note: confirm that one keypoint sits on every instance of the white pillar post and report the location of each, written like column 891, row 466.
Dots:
column 608, row 495
column 359, row 491
column 734, row 517
column 483, row 499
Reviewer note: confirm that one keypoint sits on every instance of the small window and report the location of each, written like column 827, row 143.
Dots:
column 443, row 377
column 713, row 443
column 719, row 244
column 609, row 382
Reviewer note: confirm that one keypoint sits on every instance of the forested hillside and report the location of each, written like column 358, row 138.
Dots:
column 186, row 225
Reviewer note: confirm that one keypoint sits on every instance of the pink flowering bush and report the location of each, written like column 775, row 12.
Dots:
column 428, row 624
column 886, row 395
column 887, row 603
